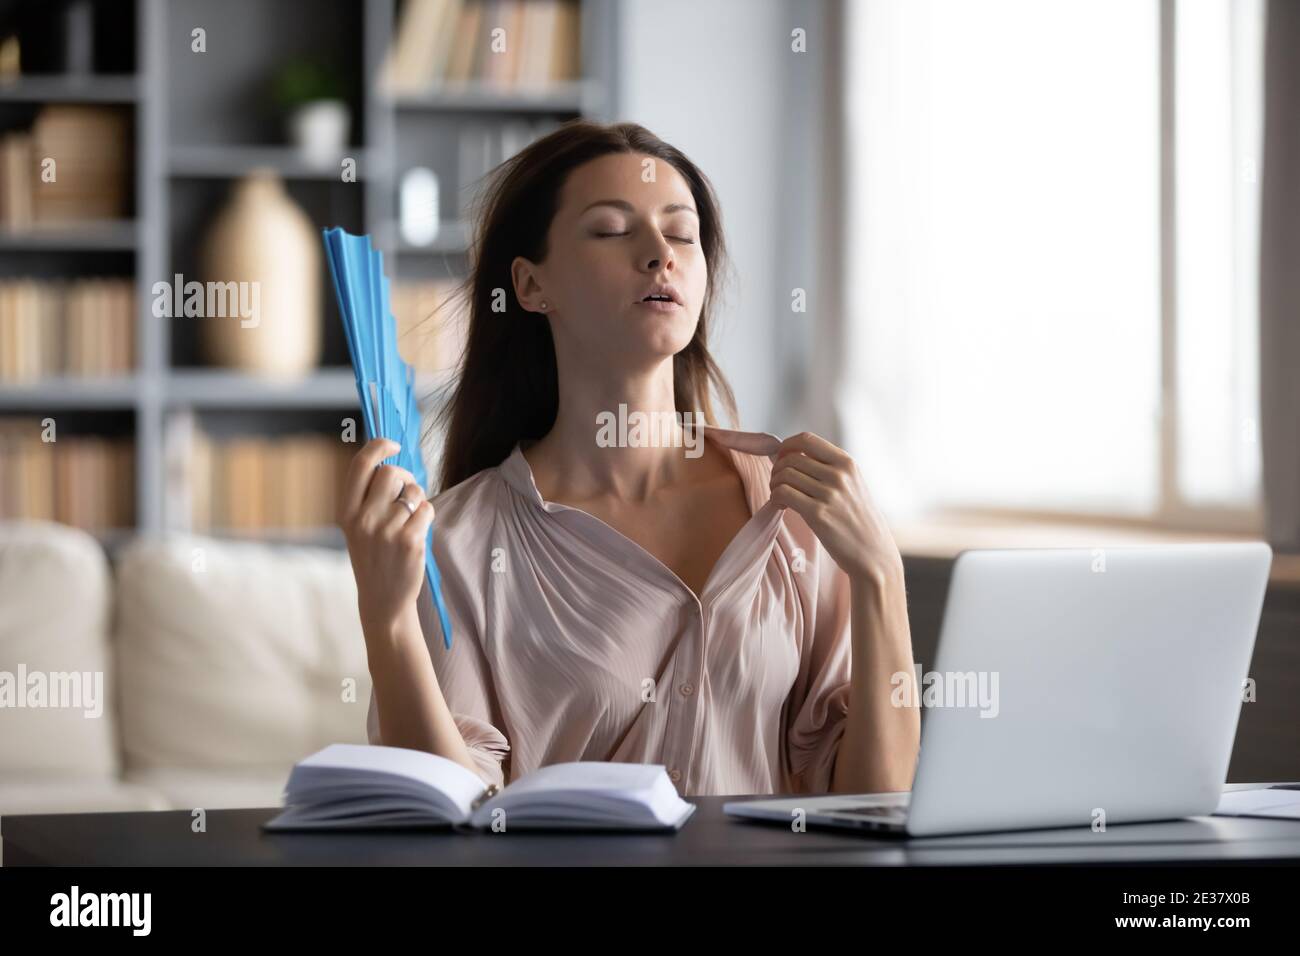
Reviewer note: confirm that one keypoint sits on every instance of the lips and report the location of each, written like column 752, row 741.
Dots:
column 661, row 293
column 659, row 305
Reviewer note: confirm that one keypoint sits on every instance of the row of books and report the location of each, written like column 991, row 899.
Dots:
column 502, row 44
column 430, row 318
column 76, row 327
column 74, row 165
column 86, row 327
column 254, row 482
column 82, row 480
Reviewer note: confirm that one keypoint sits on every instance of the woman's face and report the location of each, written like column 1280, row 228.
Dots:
column 614, row 238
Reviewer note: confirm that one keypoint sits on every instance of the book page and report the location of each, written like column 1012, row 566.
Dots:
column 459, row 784
column 1269, row 803
column 590, row 793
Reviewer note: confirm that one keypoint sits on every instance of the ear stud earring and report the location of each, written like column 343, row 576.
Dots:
column 544, row 306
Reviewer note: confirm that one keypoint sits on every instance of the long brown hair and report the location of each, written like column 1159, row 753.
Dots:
column 505, row 388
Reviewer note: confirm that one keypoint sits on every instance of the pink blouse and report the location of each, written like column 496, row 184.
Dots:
column 572, row 642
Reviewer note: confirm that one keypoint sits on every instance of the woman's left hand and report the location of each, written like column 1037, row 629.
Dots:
column 822, row 484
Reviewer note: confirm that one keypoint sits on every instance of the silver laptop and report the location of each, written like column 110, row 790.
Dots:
column 1070, row 687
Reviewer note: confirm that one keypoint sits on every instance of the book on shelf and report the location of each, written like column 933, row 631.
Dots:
column 503, row 45
column 82, row 480
column 77, row 327
column 358, row 786
column 251, row 483
column 16, row 180
column 248, row 492
column 466, row 58
column 501, row 68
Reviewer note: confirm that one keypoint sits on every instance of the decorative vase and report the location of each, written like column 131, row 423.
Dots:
column 265, row 244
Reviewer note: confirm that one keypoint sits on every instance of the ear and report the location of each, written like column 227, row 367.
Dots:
column 528, row 290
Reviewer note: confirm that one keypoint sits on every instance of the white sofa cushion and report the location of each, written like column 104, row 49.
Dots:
column 233, row 655
column 72, row 795
column 214, row 789
column 54, row 612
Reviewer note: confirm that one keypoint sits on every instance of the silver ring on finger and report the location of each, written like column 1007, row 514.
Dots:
column 401, row 496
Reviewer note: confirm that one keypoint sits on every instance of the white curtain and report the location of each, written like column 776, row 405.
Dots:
column 1002, row 329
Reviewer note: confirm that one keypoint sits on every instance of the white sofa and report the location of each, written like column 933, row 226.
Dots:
column 223, row 663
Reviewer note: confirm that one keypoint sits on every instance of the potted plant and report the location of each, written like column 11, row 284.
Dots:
column 310, row 97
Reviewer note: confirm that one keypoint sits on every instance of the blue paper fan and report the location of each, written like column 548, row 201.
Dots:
column 385, row 383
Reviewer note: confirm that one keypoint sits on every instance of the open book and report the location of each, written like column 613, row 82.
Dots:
column 360, row 786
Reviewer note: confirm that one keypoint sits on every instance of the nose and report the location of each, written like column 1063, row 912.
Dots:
column 660, row 256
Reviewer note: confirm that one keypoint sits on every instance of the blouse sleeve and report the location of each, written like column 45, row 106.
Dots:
column 819, row 700
column 463, row 676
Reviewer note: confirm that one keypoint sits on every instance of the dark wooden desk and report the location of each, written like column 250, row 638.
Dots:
column 710, row 838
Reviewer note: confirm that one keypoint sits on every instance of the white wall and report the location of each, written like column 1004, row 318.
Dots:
column 707, row 76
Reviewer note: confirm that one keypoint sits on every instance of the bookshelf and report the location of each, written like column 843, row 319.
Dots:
column 200, row 121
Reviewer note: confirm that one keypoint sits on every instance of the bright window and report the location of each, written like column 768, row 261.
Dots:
column 1005, row 254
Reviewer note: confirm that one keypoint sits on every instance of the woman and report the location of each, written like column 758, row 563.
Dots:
column 731, row 608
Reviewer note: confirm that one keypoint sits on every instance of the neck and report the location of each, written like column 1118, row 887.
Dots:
column 616, row 437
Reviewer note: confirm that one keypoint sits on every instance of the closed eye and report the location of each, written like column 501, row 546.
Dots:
column 606, row 235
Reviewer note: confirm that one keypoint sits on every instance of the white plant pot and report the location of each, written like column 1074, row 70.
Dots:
column 319, row 130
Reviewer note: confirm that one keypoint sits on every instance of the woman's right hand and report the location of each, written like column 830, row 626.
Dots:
column 386, row 541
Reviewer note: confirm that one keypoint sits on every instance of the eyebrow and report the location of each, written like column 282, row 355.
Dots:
column 627, row 206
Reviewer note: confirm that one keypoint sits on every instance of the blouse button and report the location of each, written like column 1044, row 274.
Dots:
column 687, row 690
column 674, row 775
